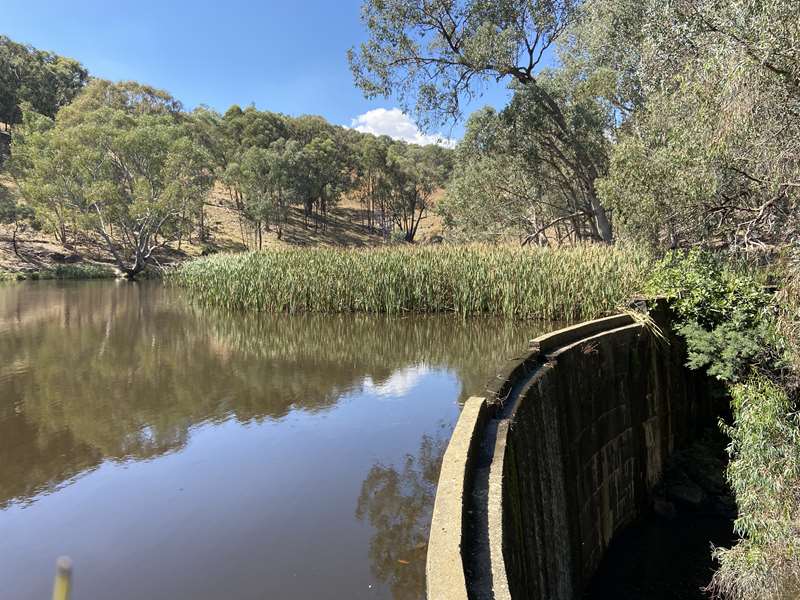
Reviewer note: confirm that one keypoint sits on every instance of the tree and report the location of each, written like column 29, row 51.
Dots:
column 515, row 175
column 271, row 180
column 121, row 160
column 371, row 178
column 328, row 174
column 711, row 154
column 44, row 80
column 13, row 213
column 435, row 54
column 414, row 173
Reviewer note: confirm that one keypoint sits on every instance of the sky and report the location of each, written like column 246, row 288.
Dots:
column 282, row 56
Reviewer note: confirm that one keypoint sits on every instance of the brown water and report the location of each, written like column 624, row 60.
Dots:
column 179, row 453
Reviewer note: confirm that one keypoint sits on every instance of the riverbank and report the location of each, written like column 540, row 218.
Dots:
column 567, row 284
column 81, row 271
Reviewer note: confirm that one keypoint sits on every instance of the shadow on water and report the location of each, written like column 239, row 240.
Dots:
column 116, row 399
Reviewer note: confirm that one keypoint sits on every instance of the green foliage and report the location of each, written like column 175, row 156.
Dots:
column 270, row 162
column 740, row 334
column 432, row 56
column 43, row 80
column 765, row 475
column 519, row 171
column 9, row 207
column 567, row 284
column 725, row 314
column 708, row 289
column 710, row 153
column 119, row 162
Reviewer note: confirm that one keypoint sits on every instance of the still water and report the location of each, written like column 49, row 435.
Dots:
column 175, row 452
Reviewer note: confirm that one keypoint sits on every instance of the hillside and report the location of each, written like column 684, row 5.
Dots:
column 345, row 227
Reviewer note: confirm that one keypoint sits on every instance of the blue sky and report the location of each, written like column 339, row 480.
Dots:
column 282, row 56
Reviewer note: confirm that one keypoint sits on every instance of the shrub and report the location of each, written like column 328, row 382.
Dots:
column 764, row 472
column 725, row 314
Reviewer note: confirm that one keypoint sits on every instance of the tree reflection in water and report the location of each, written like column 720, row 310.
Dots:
column 100, row 371
column 398, row 503
column 113, row 394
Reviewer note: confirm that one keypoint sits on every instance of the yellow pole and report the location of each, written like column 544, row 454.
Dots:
column 63, row 582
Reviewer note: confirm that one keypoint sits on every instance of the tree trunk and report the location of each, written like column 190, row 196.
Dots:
column 601, row 219
column 14, row 239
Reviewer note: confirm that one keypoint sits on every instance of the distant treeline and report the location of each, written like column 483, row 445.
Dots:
column 126, row 163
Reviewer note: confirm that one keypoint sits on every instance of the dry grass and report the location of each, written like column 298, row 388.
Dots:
column 345, row 228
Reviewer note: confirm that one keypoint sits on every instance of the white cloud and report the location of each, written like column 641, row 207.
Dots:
column 399, row 382
column 397, row 125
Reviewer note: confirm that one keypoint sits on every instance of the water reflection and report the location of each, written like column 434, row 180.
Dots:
column 104, row 381
column 397, row 500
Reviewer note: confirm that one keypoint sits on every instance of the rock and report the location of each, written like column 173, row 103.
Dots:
column 688, row 494
column 664, row 509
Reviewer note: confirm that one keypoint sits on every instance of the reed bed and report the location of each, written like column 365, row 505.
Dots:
column 572, row 283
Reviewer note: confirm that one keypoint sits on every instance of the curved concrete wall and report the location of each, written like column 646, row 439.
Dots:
column 562, row 454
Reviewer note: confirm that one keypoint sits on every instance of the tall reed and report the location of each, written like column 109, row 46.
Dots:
column 523, row 283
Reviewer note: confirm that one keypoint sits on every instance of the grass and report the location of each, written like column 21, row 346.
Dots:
column 523, row 283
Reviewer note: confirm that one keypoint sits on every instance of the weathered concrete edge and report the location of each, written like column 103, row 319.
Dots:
column 494, row 501
column 569, row 335
column 444, row 569
column 499, row 388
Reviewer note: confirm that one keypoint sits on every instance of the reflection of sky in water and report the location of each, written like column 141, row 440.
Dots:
column 399, row 383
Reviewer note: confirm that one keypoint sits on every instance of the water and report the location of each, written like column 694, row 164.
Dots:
column 174, row 452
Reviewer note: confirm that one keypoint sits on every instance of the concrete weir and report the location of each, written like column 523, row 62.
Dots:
column 561, row 454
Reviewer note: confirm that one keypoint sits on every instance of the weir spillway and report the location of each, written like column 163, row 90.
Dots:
column 561, row 454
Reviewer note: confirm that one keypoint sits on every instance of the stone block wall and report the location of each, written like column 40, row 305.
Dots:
column 576, row 436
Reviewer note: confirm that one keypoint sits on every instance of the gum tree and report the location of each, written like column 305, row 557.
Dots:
column 121, row 160
column 435, row 54
column 43, row 79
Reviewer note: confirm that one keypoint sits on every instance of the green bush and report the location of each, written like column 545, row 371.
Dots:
column 725, row 314
column 740, row 333
column 764, row 473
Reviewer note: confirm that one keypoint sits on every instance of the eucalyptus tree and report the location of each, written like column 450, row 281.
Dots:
column 14, row 213
column 514, row 177
column 54, row 210
column 712, row 154
column 44, row 80
column 271, row 180
column 414, row 173
column 121, row 159
column 434, row 54
column 328, row 169
column 371, row 180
